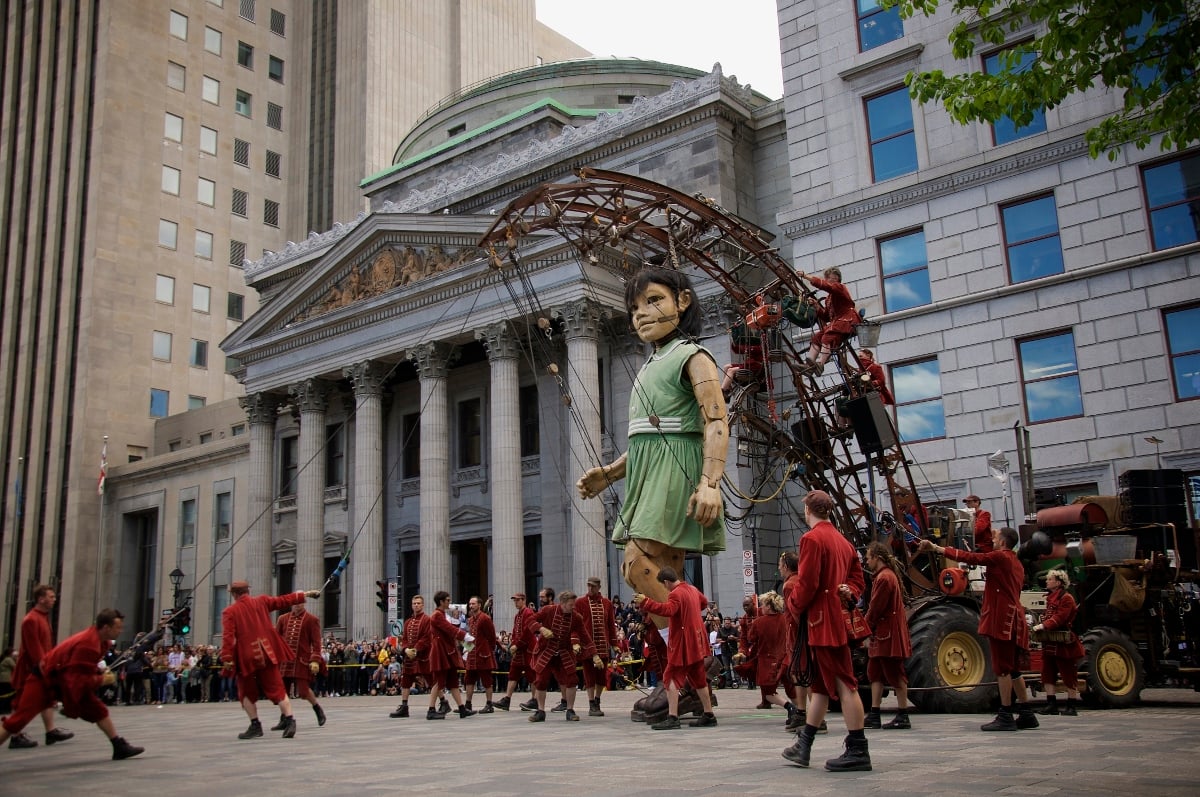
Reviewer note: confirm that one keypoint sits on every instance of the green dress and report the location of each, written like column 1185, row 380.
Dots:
column 665, row 458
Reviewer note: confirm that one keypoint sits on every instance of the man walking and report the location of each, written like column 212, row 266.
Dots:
column 564, row 637
column 601, row 622
column 36, row 641
column 252, row 647
column 481, row 659
column 414, row 646
column 521, row 649
column 301, row 632
column 444, row 659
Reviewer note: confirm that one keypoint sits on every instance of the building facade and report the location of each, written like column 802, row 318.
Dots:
column 149, row 149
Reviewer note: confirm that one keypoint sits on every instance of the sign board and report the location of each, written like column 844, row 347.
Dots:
column 396, row 627
column 392, row 600
column 749, row 587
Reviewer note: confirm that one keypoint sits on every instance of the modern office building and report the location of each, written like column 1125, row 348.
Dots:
column 148, row 149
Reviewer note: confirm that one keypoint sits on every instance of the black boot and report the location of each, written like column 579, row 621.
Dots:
column 800, row 752
column 434, row 714
column 855, row 758
column 504, row 703
column 1069, row 709
column 401, row 711
column 594, row 708
column 669, row 724
column 490, row 708
column 289, row 727
column 253, row 732
column 123, row 749
column 873, row 719
column 562, row 705
column 529, row 705
column 1003, row 722
column 1026, row 719
column 281, row 724
column 707, row 720
column 465, row 711
column 468, row 705
column 537, row 716
column 443, row 706
column 1051, row 707
column 901, row 722
column 21, row 742
column 320, row 712
column 58, row 735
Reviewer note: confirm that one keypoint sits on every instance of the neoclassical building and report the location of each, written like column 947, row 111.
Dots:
column 413, row 407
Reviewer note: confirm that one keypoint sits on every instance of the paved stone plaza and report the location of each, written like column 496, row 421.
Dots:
column 193, row 750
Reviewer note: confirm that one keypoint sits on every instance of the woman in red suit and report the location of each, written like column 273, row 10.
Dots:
column 837, row 313
column 1060, row 659
column 889, row 646
column 769, row 650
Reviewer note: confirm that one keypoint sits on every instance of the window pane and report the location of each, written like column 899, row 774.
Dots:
column 1176, row 225
column 1053, row 398
column 275, row 68
column 907, row 290
column 200, row 298
column 242, row 103
column 1048, row 357
column 875, row 26
column 168, row 233
column 245, row 55
column 278, row 22
column 158, row 403
column 903, row 253
column 1035, row 259
column 204, row 244
column 223, row 517
column 1004, row 129
column 206, row 192
column 889, row 114
column 212, row 41
column 1187, row 376
column 199, row 354
column 162, row 346
column 196, row 402
column 894, row 157
column 234, row 307
column 917, row 381
column 1050, row 373
column 211, row 90
column 187, row 523
column 173, row 127
column 1183, row 346
column 923, row 421
column 1031, row 239
column 178, row 25
column 176, row 76
column 1173, row 182
column 208, row 140
column 170, row 180
column 164, row 289
column 1031, row 219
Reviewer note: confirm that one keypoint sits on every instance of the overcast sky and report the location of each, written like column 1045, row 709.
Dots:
column 742, row 34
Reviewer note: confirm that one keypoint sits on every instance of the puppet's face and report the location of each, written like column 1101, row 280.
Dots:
column 656, row 312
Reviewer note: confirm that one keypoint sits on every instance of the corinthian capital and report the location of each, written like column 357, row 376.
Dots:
column 433, row 360
column 366, row 377
column 260, row 407
column 500, row 340
column 310, row 395
column 581, row 318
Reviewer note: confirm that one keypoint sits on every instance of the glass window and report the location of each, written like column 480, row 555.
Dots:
column 234, row 307
column 223, row 517
column 232, row 364
column 891, row 133
column 274, row 116
column 196, row 402
column 1173, row 201
column 240, row 200
column 241, row 152
column 335, row 455
column 168, row 233
column 275, row 68
column 158, row 403
column 1050, row 377
column 178, row 25
column 187, row 522
column 411, row 457
column 205, row 437
column 237, row 430
column 288, row 465
column 198, row 358
column 206, row 192
column 176, row 76
column 164, row 289
column 271, row 212
column 1003, row 130
column 918, row 388
column 1183, row 347
column 470, row 433
column 278, row 22
column 273, row 164
column 241, row 103
column 1031, row 240
column 200, row 298
column 210, row 90
column 905, row 271
column 246, row 9
column 212, row 41
column 162, row 346
column 204, row 244
column 245, row 55
column 170, row 180
column 173, row 127
column 876, row 25
column 237, row 253
column 208, row 140
column 527, row 399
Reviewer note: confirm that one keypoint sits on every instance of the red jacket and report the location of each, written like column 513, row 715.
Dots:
column 827, row 560
column 416, row 636
column 687, row 641
column 522, row 635
column 600, row 620
column 302, row 635
column 769, row 648
column 983, row 532
column 36, row 641
column 569, row 630
column 443, row 652
column 248, row 638
column 879, row 381
column 72, row 667
column 744, row 624
column 837, row 311
column 1060, row 615
column 886, row 618
column 1002, row 616
column 483, row 655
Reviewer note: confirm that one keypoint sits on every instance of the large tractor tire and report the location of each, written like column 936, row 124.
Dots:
column 947, row 651
column 1115, row 673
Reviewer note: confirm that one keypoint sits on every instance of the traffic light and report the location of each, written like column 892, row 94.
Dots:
column 382, row 594
column 181, row 623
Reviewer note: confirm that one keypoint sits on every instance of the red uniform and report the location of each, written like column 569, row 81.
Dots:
column 983, row 531
column 837, row 313
column 68, row 673
column 889, row 645
column 601, row 622
column 1061, row 658
column 521, row 665
column 745, row 622
column 879, row 382
column 769, row 651
column 1002, row 618
column 482, row 658
column 302, row 634
column 250, row 642
column 827, row 560
column 36, row 641
column 555, row 656
column 687, row 642
column 444, row 659
column 415, row 636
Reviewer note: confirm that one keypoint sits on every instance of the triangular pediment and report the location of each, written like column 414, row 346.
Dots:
column 470, row 514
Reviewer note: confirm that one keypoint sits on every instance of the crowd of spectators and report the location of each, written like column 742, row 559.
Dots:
column 182, row 673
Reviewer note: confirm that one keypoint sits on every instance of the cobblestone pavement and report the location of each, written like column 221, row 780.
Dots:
column 193, row 750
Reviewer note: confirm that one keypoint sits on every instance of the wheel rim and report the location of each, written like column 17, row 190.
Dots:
column 1115, row 669
column 960, row 660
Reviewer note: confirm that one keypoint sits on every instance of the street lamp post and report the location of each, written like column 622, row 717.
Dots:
column 176, row 577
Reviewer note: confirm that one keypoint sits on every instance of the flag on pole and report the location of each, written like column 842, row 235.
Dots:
column 103, row 467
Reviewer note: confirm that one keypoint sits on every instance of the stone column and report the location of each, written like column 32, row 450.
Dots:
column 433, row 363
column 262, row 410
column 508, row 526
column 366, row 566
column 311, row 398
column 589, row 540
